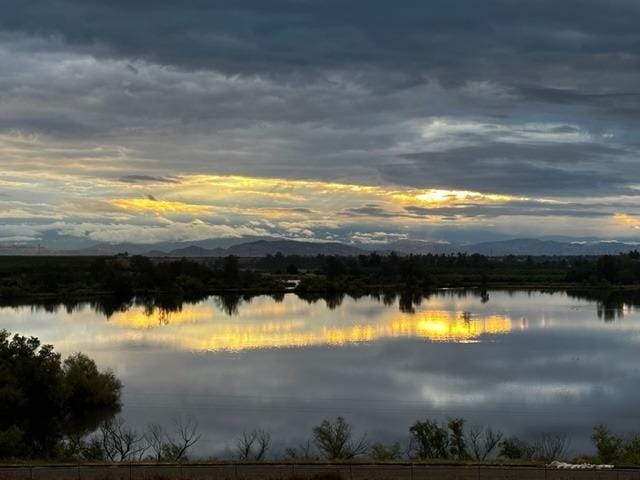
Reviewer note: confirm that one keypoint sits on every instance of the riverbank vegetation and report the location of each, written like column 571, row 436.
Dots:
column 123, row 276
column 45, row 402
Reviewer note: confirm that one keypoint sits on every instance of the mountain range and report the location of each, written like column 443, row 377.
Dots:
column 251, row 247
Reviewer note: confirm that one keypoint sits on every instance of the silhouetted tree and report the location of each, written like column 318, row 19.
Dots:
column 42, row 400
column 172, row 446
column 335, row 440
column 253, row 445
column 483, row 441
column 430, row 440
column 121, row 442
column 230, row 267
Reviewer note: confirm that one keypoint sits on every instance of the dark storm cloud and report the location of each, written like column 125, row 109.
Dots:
column 253, row 35
column 146, row 179
column 520, row 168
column 562, row 95
column 506, row 210
column 370, row 211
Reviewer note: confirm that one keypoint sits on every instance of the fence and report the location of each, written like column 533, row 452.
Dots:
column 285, row 471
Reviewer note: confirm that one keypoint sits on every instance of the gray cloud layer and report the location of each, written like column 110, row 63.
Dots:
column 534, row 98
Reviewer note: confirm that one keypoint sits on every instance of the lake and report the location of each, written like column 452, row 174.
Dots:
column 525, row 362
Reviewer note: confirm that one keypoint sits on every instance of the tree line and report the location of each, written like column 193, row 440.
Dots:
column 335, row 440
column 125, row 276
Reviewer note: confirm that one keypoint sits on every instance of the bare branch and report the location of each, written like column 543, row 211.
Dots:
column 121, row 442
column 253, row 445
column 482, row 441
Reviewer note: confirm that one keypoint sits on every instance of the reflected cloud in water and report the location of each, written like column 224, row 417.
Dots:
column 522, row 361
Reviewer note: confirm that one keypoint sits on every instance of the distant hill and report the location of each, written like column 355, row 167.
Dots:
column 419, row 247
column 262, row 248
column 23, row 249
column 522, row 246
column 536, row 247
column 252, row 247
column 194, row 251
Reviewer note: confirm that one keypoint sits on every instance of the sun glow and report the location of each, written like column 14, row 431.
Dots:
column 160, row 206
column 628, row 220
column 204, row 327
column 192, row 207
column 437, row 196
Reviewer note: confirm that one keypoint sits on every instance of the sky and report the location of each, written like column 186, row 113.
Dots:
column 361, row 121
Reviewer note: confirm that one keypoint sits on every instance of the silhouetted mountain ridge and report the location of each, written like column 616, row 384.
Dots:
column 521, row 246
column 259, row 247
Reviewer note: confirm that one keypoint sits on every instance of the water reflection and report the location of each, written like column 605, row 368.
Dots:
column 522, row 361
column 236, row 322
column 609, row 305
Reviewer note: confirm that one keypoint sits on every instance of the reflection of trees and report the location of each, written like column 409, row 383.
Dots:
column 609, row 311
column 409, row 300
column 389, row 298
column 108, row 306
column 309, row 297
column 484, row 296
column 610, row 304
column 48, row 305
column 229, row 304
column 162, row 305
column 334, row 300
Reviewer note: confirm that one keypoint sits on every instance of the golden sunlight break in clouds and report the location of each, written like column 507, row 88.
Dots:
column 160, row 206
column 627, row 220
column 277, row 197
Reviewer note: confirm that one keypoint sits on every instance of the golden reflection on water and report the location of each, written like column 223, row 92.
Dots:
column 267, row 324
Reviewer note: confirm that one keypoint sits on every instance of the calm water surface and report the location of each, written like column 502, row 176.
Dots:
column 524, row 362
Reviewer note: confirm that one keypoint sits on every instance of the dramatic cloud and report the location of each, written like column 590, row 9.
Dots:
column 111, row 111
